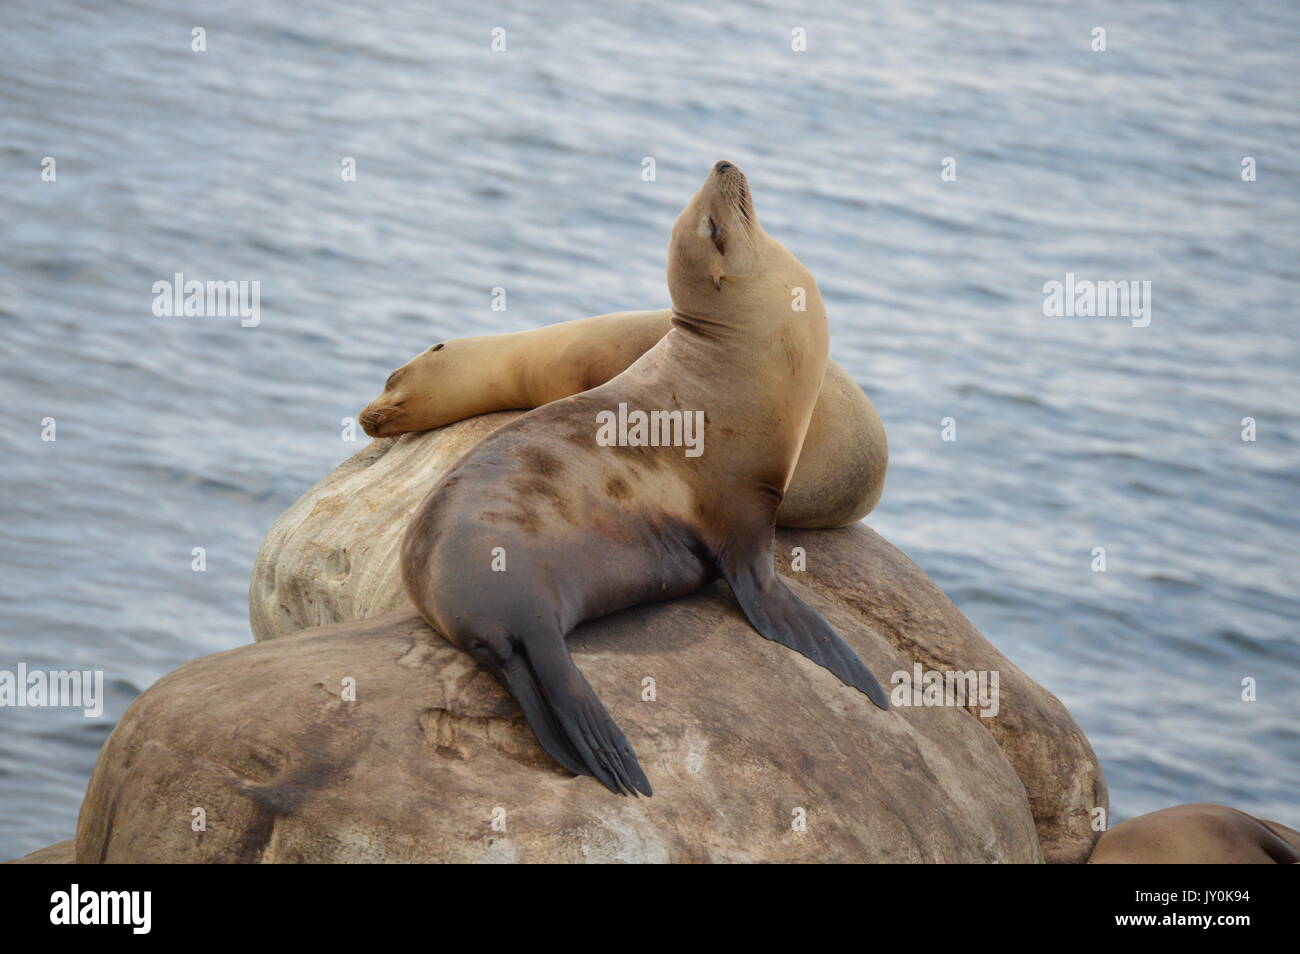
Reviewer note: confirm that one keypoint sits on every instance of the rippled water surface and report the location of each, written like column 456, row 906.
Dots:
column 522, row 169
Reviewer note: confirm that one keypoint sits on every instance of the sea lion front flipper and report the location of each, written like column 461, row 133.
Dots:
column 568, row 718
column 774, row 610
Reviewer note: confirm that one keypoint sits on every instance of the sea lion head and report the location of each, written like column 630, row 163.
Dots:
column 715, row 239
column 419, row 395
column 719, row 257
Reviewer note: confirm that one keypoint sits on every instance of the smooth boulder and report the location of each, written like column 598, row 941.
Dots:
column 756, row 755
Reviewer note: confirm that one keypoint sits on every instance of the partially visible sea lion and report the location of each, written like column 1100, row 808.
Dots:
column 1198, row 834
column 841, row 470
column 586, row 527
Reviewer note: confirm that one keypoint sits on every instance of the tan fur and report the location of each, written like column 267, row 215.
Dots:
column 840, row 473
column 1197, row 835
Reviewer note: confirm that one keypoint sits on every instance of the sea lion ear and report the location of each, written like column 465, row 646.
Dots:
column 717, row 282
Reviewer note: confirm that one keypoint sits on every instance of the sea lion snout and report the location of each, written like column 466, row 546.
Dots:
column 375, row 417
column 730, row 192
column 728, row 178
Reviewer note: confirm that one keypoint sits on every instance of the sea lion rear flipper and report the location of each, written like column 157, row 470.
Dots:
column 520, row 682
column 774, row 610
column 568, row 719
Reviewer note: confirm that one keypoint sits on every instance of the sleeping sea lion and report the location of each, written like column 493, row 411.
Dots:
column 841, row 470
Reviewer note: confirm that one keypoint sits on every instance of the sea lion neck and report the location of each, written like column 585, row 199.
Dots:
column 705, row 327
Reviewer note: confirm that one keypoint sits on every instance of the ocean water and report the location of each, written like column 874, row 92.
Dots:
column 523, row 169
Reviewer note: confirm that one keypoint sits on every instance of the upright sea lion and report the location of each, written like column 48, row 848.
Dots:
column 841, row 470
column 587, row 528
column 1200, row 834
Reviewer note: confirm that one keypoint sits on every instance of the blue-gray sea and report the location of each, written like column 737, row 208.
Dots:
column 523, row 169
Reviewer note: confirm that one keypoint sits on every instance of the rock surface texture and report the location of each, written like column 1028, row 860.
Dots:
column 60, row 853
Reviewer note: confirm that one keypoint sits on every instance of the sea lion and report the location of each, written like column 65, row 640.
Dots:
column 587, row 527
column 837, row 481
column 1198, row 834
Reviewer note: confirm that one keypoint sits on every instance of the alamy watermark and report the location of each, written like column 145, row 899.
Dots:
column 1084, row 298
column 195, row 299
column 60, row 689
column 651, row 429
column 130, row 908
column 936, row 687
